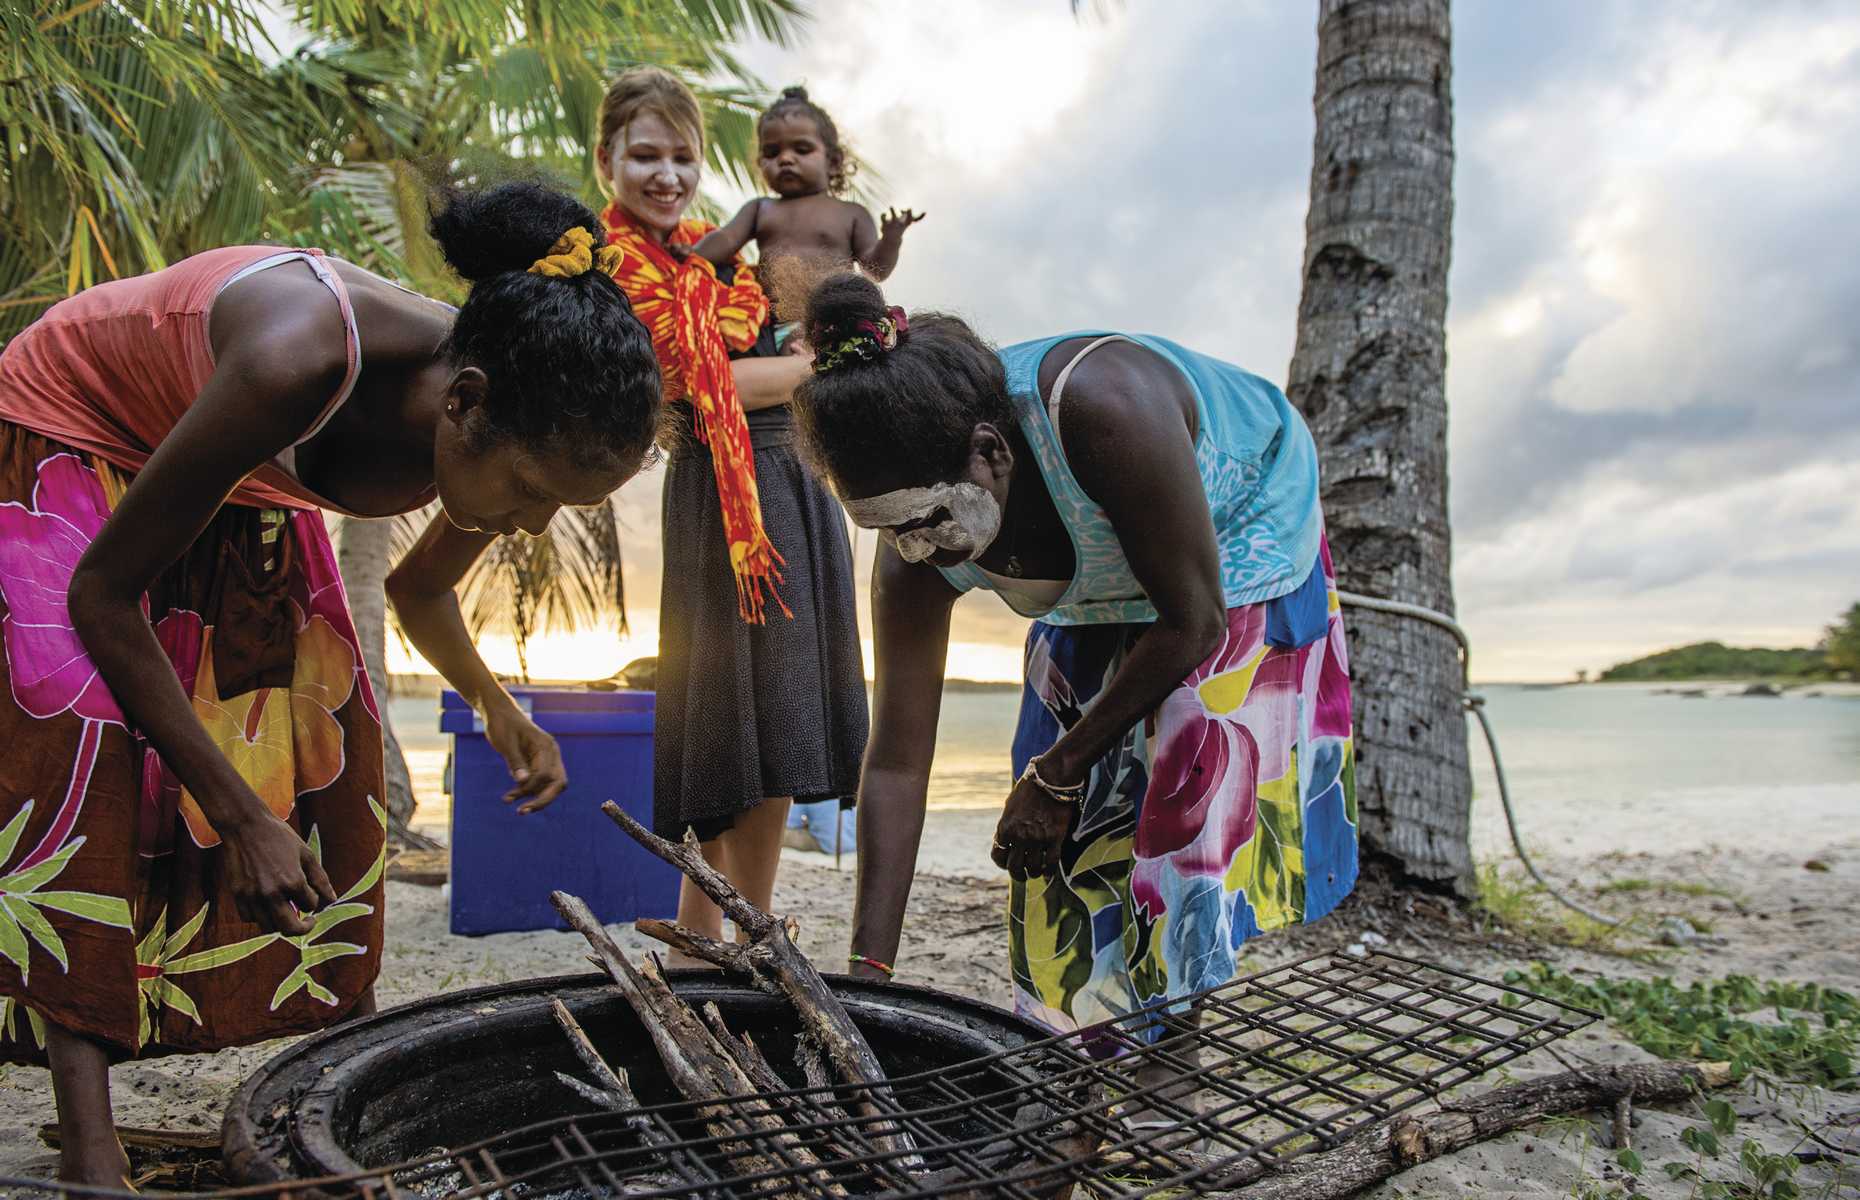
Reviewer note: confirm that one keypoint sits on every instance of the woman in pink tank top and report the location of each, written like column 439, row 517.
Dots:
column 191, row 833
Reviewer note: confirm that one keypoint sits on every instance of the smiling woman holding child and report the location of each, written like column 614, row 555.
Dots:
column 761, row 681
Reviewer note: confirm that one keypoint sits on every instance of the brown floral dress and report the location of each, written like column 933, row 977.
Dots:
column 115, row 917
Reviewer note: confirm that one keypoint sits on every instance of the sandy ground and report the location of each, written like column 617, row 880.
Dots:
column 1781, row 921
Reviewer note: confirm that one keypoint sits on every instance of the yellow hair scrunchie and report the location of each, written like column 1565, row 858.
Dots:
column 572, row 255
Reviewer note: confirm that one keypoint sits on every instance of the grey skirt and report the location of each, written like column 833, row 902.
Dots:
column 746, row 712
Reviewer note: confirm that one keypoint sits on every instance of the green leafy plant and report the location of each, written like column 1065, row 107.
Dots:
column 1758, row 1173
column 1812, row 1036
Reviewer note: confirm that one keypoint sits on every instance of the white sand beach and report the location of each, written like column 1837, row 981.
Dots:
column 1678, row 802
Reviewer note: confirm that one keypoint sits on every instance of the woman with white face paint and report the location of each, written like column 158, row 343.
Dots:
column 761, row 680
column 1182, row 763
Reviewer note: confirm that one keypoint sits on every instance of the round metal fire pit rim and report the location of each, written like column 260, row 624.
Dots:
column 298, row 1096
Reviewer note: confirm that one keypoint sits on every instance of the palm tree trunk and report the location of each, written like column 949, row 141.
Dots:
column 363, row 554
column 1369, row 373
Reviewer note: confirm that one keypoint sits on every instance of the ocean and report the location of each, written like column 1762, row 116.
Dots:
column 1628, row 767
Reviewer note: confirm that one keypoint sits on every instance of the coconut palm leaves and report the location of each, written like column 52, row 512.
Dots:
column 133, row 134
column 565, row 580
column 139, row 131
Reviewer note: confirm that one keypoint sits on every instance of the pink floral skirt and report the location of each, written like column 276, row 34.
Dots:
column 115, row 918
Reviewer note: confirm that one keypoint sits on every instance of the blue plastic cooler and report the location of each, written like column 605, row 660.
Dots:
column 504, row 866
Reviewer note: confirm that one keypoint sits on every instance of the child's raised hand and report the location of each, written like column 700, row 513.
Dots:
column 893, row 224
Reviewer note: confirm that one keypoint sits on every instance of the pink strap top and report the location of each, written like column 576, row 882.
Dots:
column 112, row 369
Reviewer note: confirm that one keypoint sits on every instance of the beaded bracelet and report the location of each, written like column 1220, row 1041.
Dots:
column 860, row 959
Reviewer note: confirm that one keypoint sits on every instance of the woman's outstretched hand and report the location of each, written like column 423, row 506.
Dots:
column 1033, row 828
column 534, row 759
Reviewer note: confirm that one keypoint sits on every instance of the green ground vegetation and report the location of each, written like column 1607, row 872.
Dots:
column 1781, row 1033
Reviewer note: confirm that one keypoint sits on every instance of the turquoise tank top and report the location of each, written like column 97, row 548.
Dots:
column 1258, row 466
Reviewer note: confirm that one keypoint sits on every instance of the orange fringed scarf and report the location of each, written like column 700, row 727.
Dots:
column 695, row 320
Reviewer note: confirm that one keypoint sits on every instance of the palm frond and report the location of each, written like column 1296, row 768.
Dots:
column 568, row 579
column 140, row 131
column 133, row 137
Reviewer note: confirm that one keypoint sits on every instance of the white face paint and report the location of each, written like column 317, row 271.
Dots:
column 974, row 519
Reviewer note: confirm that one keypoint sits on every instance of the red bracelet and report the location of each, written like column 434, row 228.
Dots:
column 887, row 968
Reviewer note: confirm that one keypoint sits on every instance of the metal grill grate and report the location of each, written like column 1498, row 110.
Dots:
column 1200, row 1095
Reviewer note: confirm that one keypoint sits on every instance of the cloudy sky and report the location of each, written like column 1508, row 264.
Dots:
column 1655, row 297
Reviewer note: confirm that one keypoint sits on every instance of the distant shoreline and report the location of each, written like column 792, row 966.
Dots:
column 432, row 685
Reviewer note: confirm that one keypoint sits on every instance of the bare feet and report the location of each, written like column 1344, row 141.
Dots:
column 89, row 1149
column 101, row 1162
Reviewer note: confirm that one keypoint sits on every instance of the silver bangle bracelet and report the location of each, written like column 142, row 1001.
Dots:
column 1073, row 794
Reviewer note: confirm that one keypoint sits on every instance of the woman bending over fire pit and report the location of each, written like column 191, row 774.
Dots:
column 1183, row 756
column 191, row 832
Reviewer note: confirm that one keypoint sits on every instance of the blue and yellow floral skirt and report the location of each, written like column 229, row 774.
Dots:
column 1229, row 811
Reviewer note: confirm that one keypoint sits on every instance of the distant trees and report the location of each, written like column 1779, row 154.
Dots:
column 1838, row 653
column 1842, row 644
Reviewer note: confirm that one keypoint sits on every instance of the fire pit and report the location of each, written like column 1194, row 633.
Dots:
column 477, row 1065
column 460, row 1096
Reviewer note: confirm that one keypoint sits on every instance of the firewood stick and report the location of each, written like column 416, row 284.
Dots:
column 606, row 1078
column 1396, row 1143
column 773, row 951
column 807, row 1053
column 728, row 955
column 699, row 1067
column 690, row 1079
column 614, row 1092
column 761, row 1074
column 730, row 1078
column 696, row 1070
column 689, row 859
column 772, row 955
column 810, row 1110
column 599, row 1097
column 137, row 1138
column 732, row 956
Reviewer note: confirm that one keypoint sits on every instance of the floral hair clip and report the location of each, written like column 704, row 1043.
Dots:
column 873, row 339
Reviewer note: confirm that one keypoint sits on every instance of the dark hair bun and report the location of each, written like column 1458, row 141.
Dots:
column 568, row 366
column 795, row 92
column 505, row 227
column 838, row 304
column 907, row 415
